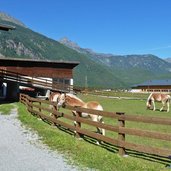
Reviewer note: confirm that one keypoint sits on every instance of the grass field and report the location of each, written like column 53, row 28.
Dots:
column 135, row 107
column 120, row 94
column 104, row 158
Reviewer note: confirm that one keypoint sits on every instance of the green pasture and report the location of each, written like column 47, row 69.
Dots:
column 119, row 94
column 86, row 154
column 134, row 107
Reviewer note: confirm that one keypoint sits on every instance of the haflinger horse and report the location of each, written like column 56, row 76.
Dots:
column 158, row 97
column 72, row 100
column 53, row 97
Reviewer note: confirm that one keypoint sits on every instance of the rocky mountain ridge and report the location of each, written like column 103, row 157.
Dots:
column 168, row 60
column 146, row 61
column 100, row 70
column 6, row 17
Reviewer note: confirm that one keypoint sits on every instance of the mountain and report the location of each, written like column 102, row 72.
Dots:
column 6, row 17
column 25, row 43
column 100, row 70
column 168, row 60
column 130, row 68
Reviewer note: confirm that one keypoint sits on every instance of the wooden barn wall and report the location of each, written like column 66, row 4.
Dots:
column 41, row 72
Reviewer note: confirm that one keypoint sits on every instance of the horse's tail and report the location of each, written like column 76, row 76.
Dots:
column 148, row 99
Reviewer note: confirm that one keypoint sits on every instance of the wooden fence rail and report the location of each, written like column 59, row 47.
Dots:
column 40, row 108
column 6, row 76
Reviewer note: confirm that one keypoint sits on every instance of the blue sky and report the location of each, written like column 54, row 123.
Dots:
column 119, row 27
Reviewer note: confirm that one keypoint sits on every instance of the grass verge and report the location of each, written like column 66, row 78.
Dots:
column 5, row 109
column 86, row 154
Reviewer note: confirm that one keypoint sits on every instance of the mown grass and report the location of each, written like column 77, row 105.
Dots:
column 105, row 157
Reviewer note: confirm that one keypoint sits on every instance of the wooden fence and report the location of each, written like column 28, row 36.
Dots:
column 41, row 109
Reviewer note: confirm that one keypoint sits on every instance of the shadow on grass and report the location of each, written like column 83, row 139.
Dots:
column 114, row 149
column 153, row 158
column 158, row 110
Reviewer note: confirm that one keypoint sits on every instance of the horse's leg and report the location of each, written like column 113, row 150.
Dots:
column 163, row 105
column 51, row 107
column 154, row 107
column 168, row 105
column 95, row 119
column 75, row 122
column 102, row 130
column 55, row 109
column 51, row 114
column 74, row 114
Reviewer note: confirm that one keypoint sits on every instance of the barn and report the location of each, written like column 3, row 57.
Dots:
column 153, row 86
column 33, row 73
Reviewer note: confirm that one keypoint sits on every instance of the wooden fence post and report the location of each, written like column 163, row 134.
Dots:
column 21, row 98
column 30, row 105
column 40, row 106
column 169, row 165
column 40, row 109
column 78, row 125
column 121, row 136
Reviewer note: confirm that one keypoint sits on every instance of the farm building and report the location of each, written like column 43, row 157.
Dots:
column 34, row 74
column 39, row 74
column 154, row 86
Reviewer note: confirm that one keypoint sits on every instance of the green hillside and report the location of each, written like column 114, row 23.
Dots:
column 101, row 70
column 25, row 43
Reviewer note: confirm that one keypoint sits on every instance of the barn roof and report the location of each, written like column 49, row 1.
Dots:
column 20, row 62
column 6, row 27
column 154, row 83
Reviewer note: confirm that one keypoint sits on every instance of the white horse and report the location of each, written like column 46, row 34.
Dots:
column 72, row 100
column 158, row 97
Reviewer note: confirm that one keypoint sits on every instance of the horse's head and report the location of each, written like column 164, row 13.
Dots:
column 61, row 100
column 148, row 104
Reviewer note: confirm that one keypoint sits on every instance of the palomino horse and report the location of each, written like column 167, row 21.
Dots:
column 158, row 97
column 53, row 97
column 72, row 100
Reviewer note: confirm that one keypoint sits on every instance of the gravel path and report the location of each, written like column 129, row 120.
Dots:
column 21, row 150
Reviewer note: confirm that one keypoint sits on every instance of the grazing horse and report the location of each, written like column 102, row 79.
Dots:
column 158, row 97
column 72, row 100
column 53, row 97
